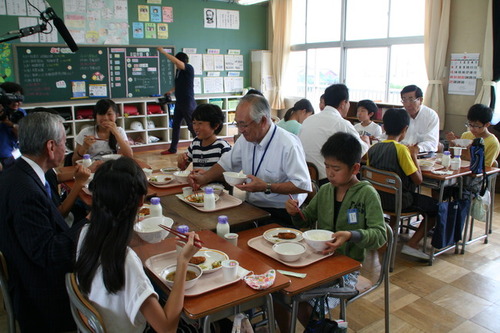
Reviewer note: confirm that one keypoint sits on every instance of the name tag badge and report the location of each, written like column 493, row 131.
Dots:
column 352, row 216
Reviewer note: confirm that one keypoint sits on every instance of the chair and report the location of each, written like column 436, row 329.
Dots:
column 85, row 314
column 389, row 182
column 7, row 302
column 348, row 295
column 314, row 174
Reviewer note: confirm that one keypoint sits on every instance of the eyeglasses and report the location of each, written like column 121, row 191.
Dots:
column 241, row 125
column 467, row 125
column 409, row 100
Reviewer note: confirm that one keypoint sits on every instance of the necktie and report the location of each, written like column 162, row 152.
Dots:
column 48, row 190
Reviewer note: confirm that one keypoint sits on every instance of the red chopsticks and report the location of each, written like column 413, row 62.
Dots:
column 182, row 236
column 298, row 209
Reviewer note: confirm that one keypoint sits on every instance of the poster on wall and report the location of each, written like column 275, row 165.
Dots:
column 463, row 73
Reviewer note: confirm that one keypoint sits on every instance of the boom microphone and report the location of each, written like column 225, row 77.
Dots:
column 63, row 31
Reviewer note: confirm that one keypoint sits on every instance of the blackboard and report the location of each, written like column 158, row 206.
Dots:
column 53, row 73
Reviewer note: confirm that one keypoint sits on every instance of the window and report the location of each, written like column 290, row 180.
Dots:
column 373, row 46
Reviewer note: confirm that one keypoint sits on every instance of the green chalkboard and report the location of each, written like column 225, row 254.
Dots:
column 53, row 73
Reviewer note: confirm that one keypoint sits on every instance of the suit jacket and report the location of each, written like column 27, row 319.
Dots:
column 39, row 248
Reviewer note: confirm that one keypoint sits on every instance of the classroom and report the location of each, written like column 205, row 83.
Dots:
column 233, row 125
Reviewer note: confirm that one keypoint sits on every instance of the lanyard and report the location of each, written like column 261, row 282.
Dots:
column 262, row 158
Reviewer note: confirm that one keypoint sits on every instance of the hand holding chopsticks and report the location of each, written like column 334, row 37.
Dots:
column 298, row 209
column 183, row 237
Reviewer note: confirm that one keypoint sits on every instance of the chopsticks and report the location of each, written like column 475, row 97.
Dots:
column 182, row 236
column 298, row 209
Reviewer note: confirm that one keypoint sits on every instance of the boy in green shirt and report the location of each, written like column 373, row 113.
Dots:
column 348, row 207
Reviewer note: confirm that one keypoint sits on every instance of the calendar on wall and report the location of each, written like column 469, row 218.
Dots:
column 463, row 73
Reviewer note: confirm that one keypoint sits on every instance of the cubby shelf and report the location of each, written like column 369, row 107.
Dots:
column 140, row 137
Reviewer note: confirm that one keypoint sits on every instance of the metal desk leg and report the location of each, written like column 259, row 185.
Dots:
column 270, row 313
column 295, row 310
column 206, row 323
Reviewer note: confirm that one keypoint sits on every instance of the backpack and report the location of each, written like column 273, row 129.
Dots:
column 477, row 163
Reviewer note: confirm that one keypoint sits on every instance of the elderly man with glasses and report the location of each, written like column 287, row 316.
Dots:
column 273, row 160
column 423, row 130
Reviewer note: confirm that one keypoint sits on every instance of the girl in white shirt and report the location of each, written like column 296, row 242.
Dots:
column 109, row 272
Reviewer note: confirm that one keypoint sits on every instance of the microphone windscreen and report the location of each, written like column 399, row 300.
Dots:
column 63, row 31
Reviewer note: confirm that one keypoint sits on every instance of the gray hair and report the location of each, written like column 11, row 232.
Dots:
column 38, row 128
column 259, row 107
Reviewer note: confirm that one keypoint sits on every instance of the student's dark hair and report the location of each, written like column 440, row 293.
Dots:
column 12, row 87
column 101, row 107
column 343, row 147
column 335, row 94
column 369, row 105
column 481, row 113
column 410, row 88
column 182, row 57
column 299, row 105
column 211, row 113
column 395, row 120
column 117, row 189
column 254, row 92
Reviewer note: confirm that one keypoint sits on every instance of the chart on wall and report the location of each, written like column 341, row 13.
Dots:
column 54, row 73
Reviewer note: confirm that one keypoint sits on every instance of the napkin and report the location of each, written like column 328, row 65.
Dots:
column 262, row 281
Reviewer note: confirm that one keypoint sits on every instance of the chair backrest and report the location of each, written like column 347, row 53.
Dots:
column 4, row 287
column 314, row 174
column 385, row 181
column 86, row 316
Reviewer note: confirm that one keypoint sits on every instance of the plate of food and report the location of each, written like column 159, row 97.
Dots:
column 277, row 235
column 160, row 179
column 196, row 199
column 144, row 212
column 209, row 260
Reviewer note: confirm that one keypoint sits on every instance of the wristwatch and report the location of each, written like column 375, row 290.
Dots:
column 268, row 188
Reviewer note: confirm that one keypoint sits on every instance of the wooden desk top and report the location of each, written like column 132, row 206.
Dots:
column 199, row 306
column 240, row 217
column 318, row 273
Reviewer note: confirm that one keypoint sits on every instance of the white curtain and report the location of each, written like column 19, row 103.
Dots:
column 437, row 26
column 484, row 96
column 281, row 11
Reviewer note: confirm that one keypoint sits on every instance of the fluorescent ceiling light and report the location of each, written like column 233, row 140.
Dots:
column 249, row 2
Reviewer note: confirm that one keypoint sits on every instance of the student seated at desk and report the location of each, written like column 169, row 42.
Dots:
column 294, row 117
column 390, row 155
column 105, row 137
column 479, row 118
column 348, row 207
column 365, row 111
column 206, row 149
column 109, row 272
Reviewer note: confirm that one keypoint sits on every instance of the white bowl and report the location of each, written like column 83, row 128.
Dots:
column 425, row 165
column 234, row 178
column 149, row 230
column 110, row 157
column 182, row 176
column 317, row 238
column 147, row 172
column 190, row 283
column 218, row 188
column 169, row 170
column 462, row 142
column 289, row 251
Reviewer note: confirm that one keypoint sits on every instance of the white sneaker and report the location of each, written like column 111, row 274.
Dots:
column 410, row 251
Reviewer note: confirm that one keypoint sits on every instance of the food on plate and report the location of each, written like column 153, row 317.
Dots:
column 144, row 211
column 189, row 276
column 216, row 264
column 286, row 235
column 197, row 260
column 195, row 198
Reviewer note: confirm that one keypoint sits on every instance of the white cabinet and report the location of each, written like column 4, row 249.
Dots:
column 153, row 125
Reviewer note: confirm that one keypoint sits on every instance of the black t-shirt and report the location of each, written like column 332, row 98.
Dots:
column 184, row 91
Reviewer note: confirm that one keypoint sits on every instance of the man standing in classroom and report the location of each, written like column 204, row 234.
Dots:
column 317, row 128
column 423, row 130
column 184, row 96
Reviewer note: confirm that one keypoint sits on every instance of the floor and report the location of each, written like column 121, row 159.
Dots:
column 458, row 293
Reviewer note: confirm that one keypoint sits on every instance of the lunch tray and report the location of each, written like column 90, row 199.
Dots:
column 225, row 201
column 260, row 244
column 206, row 283
column 173, row 183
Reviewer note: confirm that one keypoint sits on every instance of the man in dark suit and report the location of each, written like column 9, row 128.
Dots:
column 36, row 241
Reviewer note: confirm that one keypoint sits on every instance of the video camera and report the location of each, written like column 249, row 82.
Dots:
column 6, row 99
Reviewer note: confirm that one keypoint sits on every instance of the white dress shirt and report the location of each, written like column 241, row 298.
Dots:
column 423, row 130
column 317, row 128
column 284, row 161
